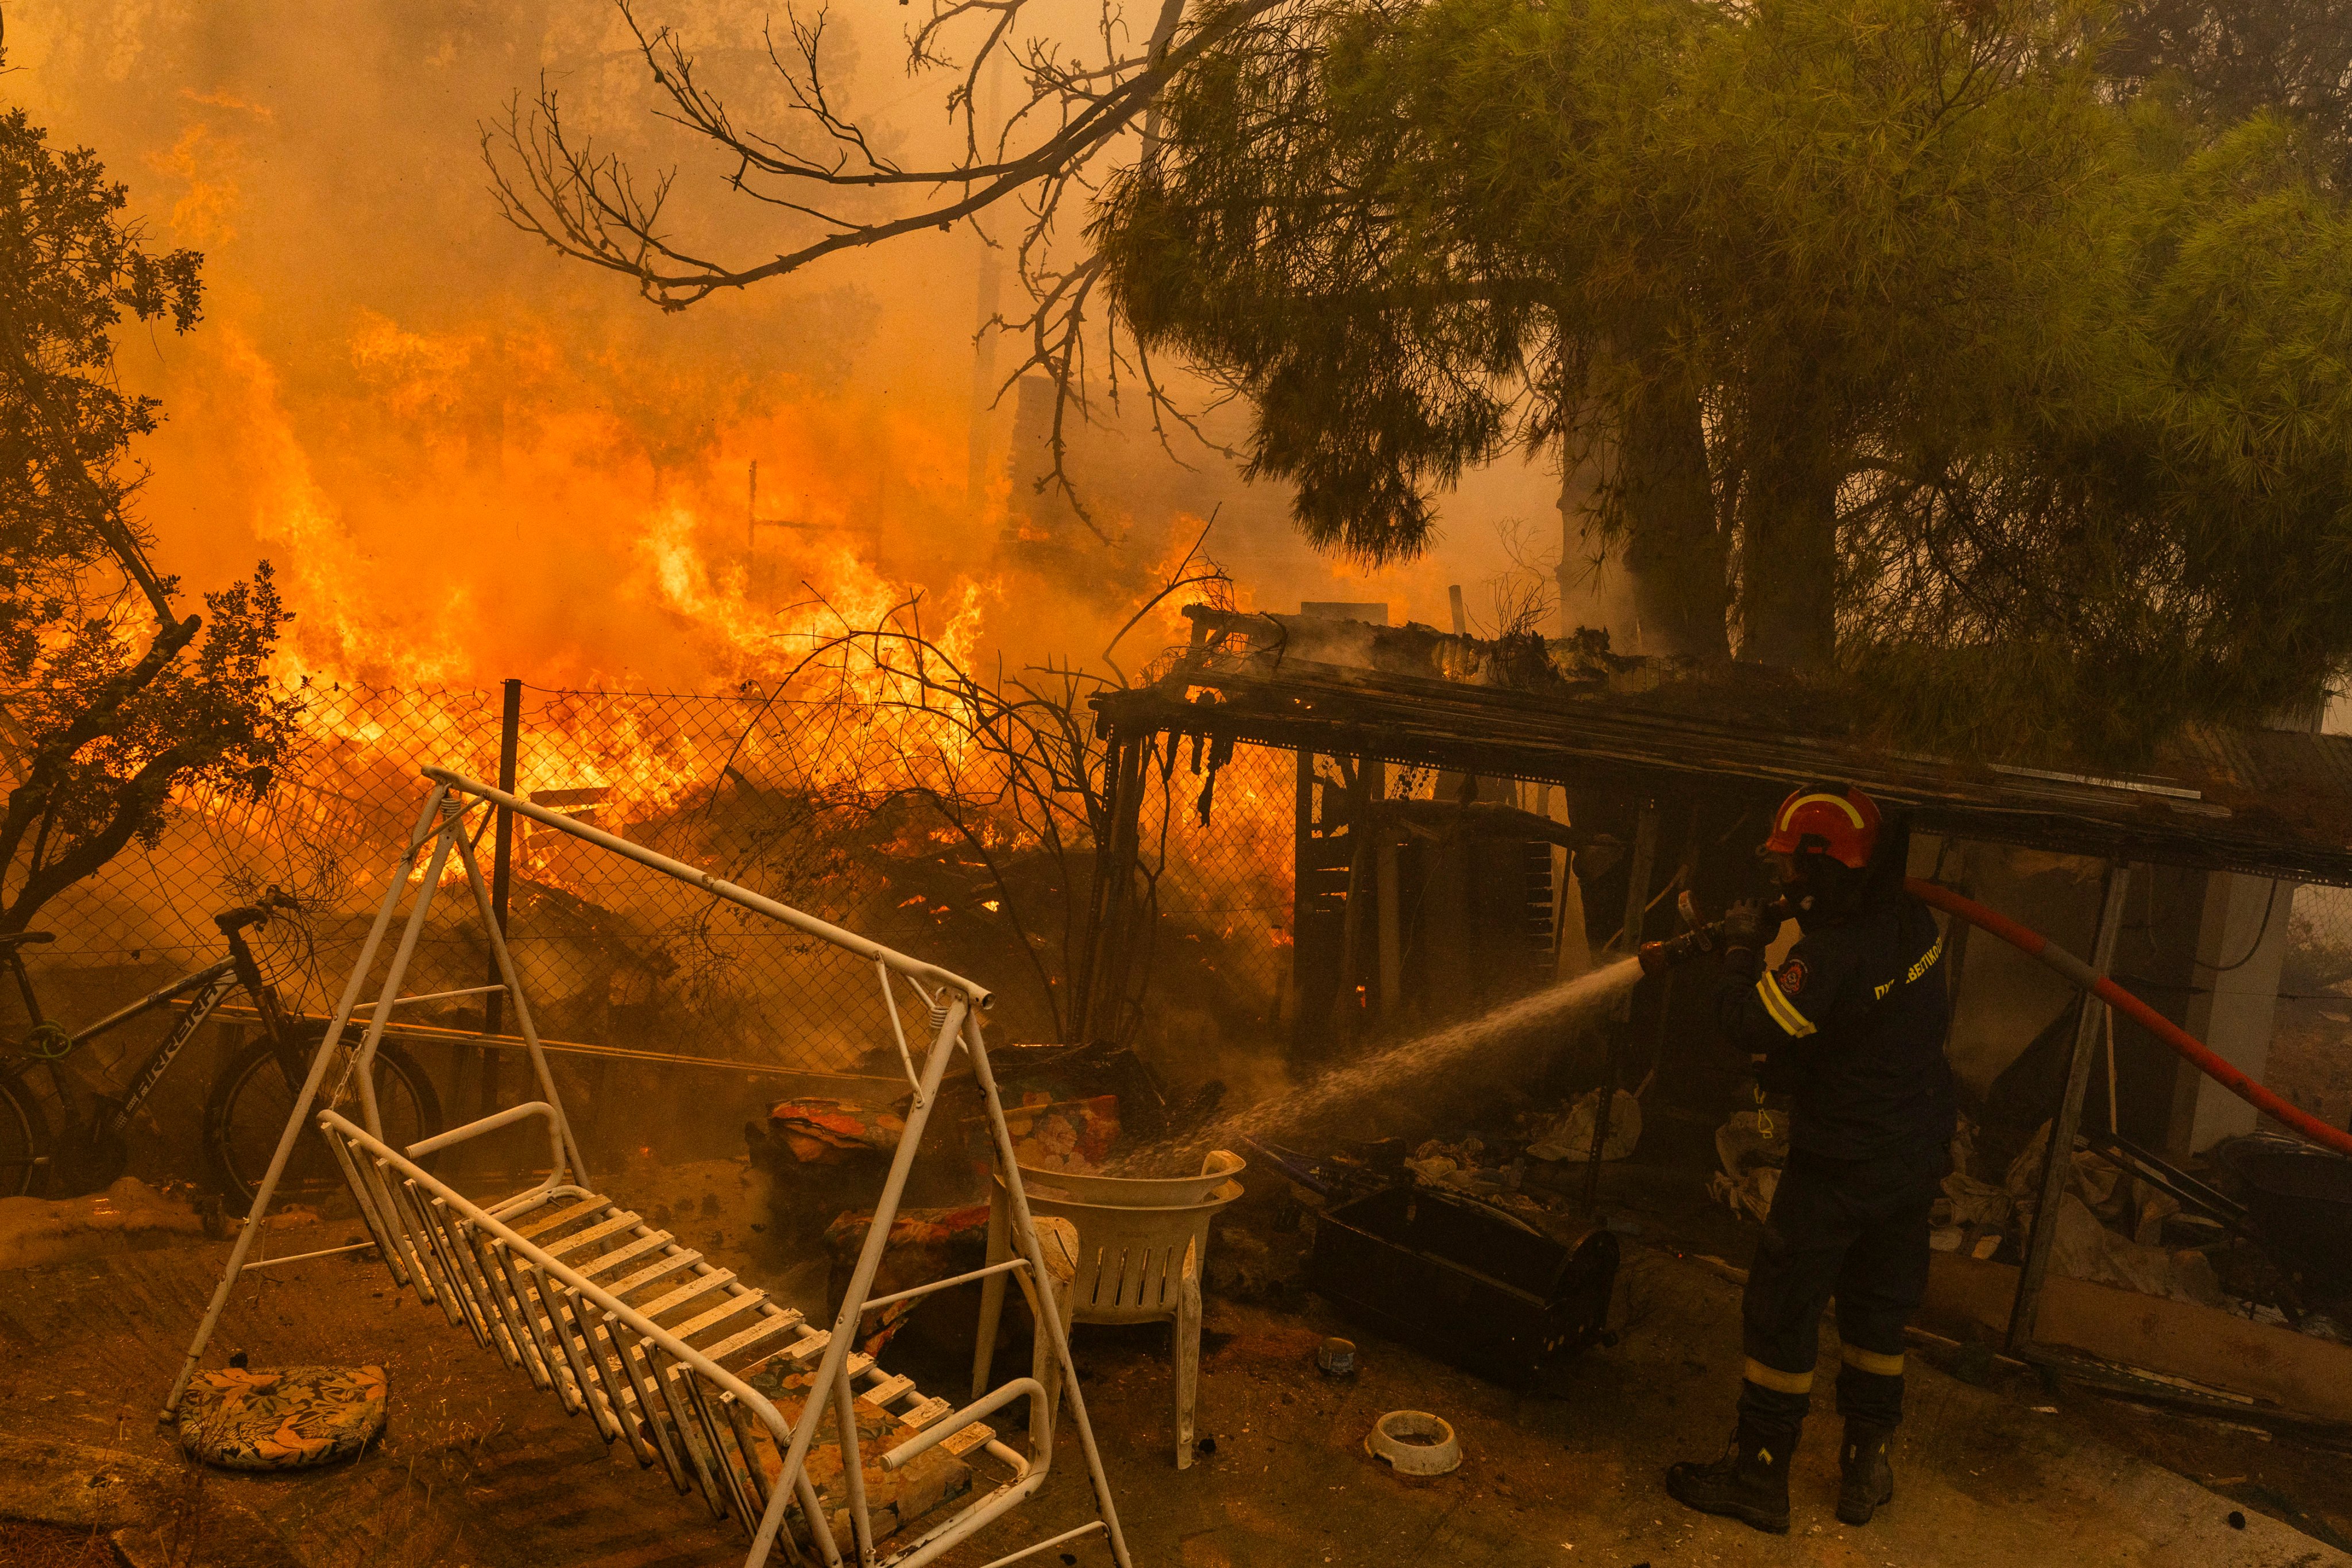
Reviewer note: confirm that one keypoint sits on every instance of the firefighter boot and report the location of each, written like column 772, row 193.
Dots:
column 1750, row 1483
column 1869, row 1481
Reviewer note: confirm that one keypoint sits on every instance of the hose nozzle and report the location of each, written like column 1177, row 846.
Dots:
column 1657, row 957
column 1703, row 937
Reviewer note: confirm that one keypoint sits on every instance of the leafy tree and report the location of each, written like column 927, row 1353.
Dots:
column 105, row 729
column 1989, row 350
column 2026, row 406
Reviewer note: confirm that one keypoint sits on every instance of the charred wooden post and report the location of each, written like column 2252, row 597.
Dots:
column 1363, row 789
column 1093, row 932
column 1391, row 937
column 1322, row 859
column 1114, row 896
column 1956, row 961
column 1080, row 964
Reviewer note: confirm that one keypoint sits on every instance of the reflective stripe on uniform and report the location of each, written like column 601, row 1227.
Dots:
column 1779, row 1382
column 1875, row 1361
column 1784, row 1012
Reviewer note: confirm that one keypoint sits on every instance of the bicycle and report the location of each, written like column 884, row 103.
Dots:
column 246, row 1112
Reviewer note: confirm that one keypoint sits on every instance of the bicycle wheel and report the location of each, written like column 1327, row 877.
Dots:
column 24, row 1139
column 251, row 1101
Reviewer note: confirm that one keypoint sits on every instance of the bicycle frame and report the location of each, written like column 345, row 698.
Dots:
column 211, row 985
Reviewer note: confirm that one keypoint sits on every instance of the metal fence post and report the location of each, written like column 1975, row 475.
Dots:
column 501, row 867
column 2058, row 1163
column 1302, row 829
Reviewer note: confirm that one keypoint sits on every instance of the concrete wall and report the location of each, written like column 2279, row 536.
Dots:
column 2204, row 951
column 2242, row 942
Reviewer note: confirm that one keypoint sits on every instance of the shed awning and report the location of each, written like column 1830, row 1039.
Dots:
column 2269, row 803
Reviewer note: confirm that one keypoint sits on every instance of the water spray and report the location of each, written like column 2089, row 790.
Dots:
column 1404, row 1076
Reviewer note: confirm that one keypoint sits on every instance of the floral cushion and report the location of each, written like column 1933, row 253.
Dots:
column 1073, row 1135
column 925, row 1245
column 894, row 1499
column 833, row 1131
column 248, row 1419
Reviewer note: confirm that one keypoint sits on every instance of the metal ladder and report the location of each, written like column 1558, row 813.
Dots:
column 617, row 1319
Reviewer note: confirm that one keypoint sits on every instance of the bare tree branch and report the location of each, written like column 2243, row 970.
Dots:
column 830, row 177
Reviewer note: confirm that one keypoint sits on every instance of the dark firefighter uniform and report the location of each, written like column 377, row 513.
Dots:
column 1851, row 1027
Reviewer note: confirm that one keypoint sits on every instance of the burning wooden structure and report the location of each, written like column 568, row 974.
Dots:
column 1630, row 780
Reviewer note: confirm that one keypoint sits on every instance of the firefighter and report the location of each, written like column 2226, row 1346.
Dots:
column 1851, row 1026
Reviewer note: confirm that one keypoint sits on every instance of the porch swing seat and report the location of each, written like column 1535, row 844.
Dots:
column 495, row 1272
column 781, row 1426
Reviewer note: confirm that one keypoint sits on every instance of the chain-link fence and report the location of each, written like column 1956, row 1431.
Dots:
column 796, row 799
column 1217, row 849
column 806, row 801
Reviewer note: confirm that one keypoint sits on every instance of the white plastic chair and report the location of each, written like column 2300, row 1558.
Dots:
column 1142, row 1246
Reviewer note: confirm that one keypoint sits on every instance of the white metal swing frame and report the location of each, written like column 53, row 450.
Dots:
column 670, row 1399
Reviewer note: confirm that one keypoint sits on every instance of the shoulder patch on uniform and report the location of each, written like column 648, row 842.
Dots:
column 1791, row 976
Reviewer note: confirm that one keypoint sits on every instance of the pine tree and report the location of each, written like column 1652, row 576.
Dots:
column 2022, row 405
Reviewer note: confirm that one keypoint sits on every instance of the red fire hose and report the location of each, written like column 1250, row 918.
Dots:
column 2034, row 944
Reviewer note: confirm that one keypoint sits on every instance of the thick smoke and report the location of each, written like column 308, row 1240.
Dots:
column 470, row 460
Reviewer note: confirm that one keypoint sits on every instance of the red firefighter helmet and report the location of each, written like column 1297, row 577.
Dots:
column 1836, row 820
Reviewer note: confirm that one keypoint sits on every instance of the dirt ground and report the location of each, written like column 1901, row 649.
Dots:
column 24, row 1545
column 2310, row 1062
column 480, row 1470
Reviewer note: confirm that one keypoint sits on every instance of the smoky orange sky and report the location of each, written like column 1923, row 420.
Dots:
column 469, row 459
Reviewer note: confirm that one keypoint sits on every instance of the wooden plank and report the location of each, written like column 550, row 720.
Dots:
column 686, row 1290
column 765, row 1328
column 735, row 1307
column 590, row 1236
column 965, row 1441
column 888, row 1389
column 923, row 1414
column 1968, row 1296
column 588, row 1268
column 562, row 1217
column 658, row 1268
